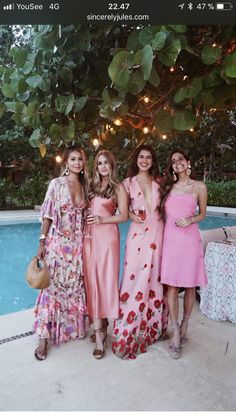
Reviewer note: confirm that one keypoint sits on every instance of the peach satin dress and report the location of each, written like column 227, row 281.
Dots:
column 102, row 262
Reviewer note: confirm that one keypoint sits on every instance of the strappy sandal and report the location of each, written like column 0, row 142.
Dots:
column 184, row 325
column 99, row 353
column 40, row 353
column 105, row 324
column 175, row 349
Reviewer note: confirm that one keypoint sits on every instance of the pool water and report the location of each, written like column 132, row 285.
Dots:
column 19, row 243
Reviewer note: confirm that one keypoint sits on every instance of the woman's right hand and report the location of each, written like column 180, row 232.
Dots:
column 41, row 250
column 135, row 218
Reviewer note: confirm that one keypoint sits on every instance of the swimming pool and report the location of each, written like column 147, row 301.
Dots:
column 18, row 244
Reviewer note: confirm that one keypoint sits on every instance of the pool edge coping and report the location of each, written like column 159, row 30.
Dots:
column 32, row 216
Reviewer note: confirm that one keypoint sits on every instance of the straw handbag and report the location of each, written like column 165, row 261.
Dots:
column 37, row 275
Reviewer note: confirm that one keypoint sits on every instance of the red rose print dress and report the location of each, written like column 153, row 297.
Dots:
column 143, row 313
column 60, row 310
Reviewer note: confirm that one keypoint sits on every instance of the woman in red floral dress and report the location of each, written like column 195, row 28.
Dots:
column 143, row 313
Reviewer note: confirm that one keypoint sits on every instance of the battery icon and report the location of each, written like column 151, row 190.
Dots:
column 224, row 6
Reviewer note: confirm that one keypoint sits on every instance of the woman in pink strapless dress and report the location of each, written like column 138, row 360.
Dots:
column 102, row 248
column 182, row 251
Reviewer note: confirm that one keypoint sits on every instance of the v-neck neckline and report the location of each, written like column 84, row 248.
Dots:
column 72, row 202
column 145, row 201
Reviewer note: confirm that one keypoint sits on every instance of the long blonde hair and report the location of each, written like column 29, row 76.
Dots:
column 95, row 187
column 83, row 176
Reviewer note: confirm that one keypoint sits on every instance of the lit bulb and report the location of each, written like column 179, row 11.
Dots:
column 214, row 45
column 118, row 122
column 191, row 129
column 164, row 136
column 172, row 69
column 145, row 130
column 58, row 159
column 185, row 77
column 95, row 142
column 112, row 131
column 146, row 99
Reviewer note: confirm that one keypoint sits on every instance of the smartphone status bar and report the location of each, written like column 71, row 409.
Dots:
column 131, row 12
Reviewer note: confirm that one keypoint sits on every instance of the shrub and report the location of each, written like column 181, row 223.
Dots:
column 30, row 193
column 222, row 194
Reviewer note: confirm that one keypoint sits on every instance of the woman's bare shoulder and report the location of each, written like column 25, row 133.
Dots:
column 200, row 186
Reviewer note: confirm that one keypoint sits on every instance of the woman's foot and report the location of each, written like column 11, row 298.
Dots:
column 99, row 352
column 40, row 352
column 183, row 331
column 105, row 324
column 174, row 348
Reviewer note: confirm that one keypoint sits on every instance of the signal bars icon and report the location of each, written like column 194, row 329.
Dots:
column 9, row 7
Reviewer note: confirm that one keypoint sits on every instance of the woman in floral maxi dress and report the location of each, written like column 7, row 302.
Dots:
column 143, row 312
column 60, row 309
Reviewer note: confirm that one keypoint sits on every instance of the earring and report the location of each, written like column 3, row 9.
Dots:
column 82, row 172
column 188, row 171
column 174, row 176
column 67, row 171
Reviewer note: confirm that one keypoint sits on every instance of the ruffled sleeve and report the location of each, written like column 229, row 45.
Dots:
column 49, row 207
column 126, row 183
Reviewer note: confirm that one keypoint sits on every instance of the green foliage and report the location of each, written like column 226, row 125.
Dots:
column 222, row 194
column 60, row 83
column 30, row 193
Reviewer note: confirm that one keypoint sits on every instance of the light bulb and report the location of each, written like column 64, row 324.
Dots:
column 58, row 159
column 146, row 99
column 95, row 142
column 145, row 130
column 164, row 136
column 118, row 122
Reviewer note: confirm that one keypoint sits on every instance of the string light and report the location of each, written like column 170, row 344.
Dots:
column 191, row 129
column 118, row 122
column 58, row 159
column 164, row 136
column 146, row 99
column 172, row 69
column 145, row 130
column 214, row 45
column 112, row 131
column 95, row 142
column 185, row 77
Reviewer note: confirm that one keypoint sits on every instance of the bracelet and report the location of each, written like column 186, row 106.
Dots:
column 42, row 237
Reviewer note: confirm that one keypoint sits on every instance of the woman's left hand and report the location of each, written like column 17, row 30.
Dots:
column 94, row 219
column 183, row 222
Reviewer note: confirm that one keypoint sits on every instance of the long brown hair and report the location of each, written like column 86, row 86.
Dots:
column 83, row 176
column 133, row 169
column 96, row 182
column 168, row 181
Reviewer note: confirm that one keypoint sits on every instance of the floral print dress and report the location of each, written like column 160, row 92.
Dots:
column 143, row 313
column 61, row 308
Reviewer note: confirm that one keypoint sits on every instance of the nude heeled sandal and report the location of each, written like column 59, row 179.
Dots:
column 174, row 348
column 184, row 324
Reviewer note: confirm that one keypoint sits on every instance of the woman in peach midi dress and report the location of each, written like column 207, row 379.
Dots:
column 143, row 312
column 102, row 248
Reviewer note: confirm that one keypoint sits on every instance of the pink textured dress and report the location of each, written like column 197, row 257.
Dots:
column 143, row 311
column 102, row 262
column 182, row 252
